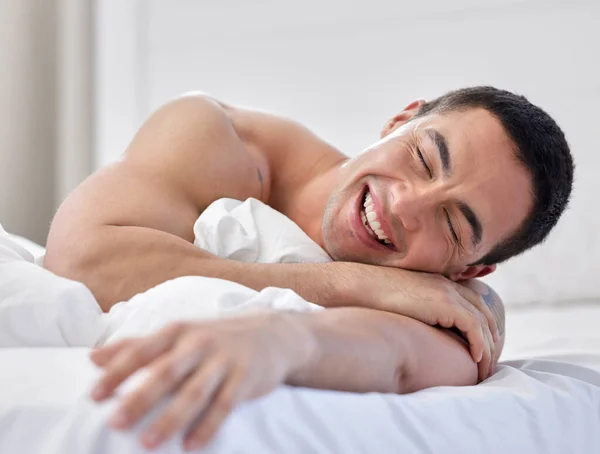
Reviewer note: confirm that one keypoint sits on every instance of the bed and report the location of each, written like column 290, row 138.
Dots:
column 544, row 397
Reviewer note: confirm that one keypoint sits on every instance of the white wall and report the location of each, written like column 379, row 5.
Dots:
column 343, row 70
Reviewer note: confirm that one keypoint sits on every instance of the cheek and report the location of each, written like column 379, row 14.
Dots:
column 395, row 158
column 388, row 160
column 426, row 252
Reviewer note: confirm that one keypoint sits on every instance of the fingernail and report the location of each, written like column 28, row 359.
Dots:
column 151, row 439
column 119, row 419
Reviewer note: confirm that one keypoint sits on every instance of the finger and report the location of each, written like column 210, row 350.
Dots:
column 231, row 393
column 462, row 315
column 492, row 344
column 491, row 353
column 492, row 369
column 477, row 300
column 492, row 357
column 190, row 401
column 164, row 376
column 485, row 363
column 489, row 347
column 100, row 356
column 131, row 358
column 478, row 335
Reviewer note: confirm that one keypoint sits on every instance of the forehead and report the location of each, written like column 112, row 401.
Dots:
column 486, row 174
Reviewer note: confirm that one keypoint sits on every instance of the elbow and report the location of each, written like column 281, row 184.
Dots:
column 66, row 260
column 70, row 254
column 404, row 379
column 429, row 357
column 76, row 259
column 400, row 382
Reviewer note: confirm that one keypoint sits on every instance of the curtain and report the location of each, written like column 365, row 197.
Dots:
column 46, row 108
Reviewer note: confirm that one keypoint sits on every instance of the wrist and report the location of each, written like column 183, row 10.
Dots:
column 351, row 285
column 348, row 284
column 299, row 340
column 326, row 284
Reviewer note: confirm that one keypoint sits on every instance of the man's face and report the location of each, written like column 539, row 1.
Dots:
column 445, row 189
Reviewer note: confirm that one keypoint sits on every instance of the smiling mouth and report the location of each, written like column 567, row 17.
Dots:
column 371, row 223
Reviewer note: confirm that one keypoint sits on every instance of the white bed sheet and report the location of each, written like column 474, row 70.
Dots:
column 569, row 331
column 535, row 407
column 528, row 406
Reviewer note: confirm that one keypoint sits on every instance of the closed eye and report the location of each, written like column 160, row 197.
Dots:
column 450, row 226
column 422, row 159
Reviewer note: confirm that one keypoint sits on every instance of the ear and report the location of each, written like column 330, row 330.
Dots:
column 473, row 272
column 409, row 111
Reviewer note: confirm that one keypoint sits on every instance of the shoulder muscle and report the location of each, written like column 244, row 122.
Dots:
column 193, row 144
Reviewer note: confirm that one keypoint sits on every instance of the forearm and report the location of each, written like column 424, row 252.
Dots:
column 357, row 350
column 364, row 350
column 117, row 262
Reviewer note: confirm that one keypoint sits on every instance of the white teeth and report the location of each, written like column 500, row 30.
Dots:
column 369, row 219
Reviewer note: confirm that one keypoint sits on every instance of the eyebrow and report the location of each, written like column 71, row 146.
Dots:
column 473, row 221
column 442, row 149
column 468, row 213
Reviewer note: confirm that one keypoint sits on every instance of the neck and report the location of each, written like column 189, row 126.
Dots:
column 307, row 206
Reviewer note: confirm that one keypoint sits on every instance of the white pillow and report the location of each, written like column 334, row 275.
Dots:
column 35, row 249
column 11, row 249
column 38, row 308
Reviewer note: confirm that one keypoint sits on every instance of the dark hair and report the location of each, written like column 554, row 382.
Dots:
column 540, row 145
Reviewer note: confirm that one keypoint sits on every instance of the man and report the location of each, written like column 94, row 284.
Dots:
column 454, row 187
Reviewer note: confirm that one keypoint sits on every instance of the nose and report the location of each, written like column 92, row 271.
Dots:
column 411, row 206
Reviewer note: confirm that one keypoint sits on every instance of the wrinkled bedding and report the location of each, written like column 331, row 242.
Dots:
column 529, row 405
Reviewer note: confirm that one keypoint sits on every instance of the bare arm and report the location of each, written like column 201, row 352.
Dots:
column 213, row 367
column 363, row 350
column 129, row 226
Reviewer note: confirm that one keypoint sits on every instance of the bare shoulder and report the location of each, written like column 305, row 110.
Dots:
column 192, row 143
column 294, row 153
column 285, row 153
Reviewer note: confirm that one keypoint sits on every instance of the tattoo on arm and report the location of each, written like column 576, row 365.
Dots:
column 260, row 178
column 491, row 298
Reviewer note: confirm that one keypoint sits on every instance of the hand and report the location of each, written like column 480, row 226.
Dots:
column 431, row 299
column 210, row 367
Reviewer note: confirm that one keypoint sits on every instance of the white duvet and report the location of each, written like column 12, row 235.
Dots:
column 528, row 406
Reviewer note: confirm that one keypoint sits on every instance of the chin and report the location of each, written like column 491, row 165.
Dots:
column 332, row 246
column 341, row 252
